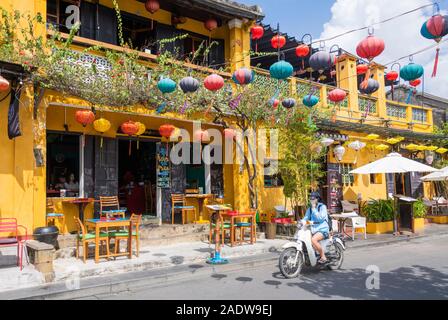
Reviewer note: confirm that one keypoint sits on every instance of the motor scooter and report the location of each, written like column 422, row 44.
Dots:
column 301, row 252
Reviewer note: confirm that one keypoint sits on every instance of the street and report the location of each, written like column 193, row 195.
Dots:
column 413, row 270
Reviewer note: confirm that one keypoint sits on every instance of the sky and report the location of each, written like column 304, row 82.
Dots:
column 326, row 18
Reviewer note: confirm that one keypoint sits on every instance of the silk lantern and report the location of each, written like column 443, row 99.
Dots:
column 189, row 85
column 336, row 96
column 371, row 87
column 4, row 84
column 166, row 85
column 435, row 29
column 257, row 33
column 289, row 103
column 84, row 117
column 310, row 100
column 321, row 61
column 302, row 51
column 152, row 6
column 214, row 82
column 361, row 69
column 281, row 70
column 130, row 128
column 356, row 146
column 370, row 48
column 412, row 71
column 278, row 41
column 141, row 130
column 339, row 152
column 243, row 76
column 326, row 142
column 392, row 76
column 101, row 125
column 211, row 24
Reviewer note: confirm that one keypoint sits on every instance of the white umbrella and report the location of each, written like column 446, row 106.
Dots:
column 393, row 163
column 440, row 175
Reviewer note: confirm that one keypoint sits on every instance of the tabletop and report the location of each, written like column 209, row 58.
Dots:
column 218, row 207
column 345, row 215
column 198, row 195
column 80, row 200
column 108, row 220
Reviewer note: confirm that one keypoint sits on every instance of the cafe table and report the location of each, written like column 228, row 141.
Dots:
column 82, row 204
column 233, row 218
column 200, row 198
column 108, row 223
column 342, row 218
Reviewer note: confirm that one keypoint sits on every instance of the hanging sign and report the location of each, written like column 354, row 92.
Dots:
column 163, row 167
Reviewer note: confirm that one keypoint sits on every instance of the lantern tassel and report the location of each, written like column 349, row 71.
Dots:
column 365, row 83
column 256, row 46
column 392, row 90
column 436, row 63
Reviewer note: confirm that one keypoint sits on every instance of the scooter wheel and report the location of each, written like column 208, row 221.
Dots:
column 288, row 265
column 335, row 262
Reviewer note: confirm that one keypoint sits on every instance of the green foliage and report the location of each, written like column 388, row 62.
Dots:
column 379, row 210
column 420, row 209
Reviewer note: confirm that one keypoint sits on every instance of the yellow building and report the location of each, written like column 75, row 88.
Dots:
column 53, row 146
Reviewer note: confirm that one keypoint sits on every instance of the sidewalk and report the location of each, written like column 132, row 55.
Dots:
column 157, row 257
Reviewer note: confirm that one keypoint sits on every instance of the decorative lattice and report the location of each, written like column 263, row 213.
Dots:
column 419, row 115
column 271, row 85
column 366, row 103
column 396, row 111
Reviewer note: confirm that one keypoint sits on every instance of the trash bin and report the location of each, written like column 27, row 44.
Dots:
column 271, row 230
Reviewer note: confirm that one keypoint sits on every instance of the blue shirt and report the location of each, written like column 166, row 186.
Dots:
column 318, row 217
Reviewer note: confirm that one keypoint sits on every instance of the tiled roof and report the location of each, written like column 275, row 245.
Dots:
column 245, row 11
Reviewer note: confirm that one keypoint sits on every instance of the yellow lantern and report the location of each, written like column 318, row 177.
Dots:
column 141, row 130
column 431, row 148
column 441, row 150
column 372, row 136
column 400, row 139
column 411, row 147
column 382, row 147
column 101, row 125
column 421, row 148
column 392, row 141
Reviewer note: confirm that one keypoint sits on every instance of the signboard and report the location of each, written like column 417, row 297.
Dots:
column 163, row 167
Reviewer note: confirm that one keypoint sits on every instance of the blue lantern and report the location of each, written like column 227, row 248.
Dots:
column 310, row 100
column 281, row 70
column 411, row 72
column 166, row 85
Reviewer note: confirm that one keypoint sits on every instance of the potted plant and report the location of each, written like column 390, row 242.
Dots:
column 380, row 216
column 418, row 220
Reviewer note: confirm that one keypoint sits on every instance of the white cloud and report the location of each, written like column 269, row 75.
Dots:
column 402, row 35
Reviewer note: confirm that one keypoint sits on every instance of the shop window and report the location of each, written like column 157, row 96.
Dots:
column 348, row 179
column 376, row 179
column 56, row 15
column 63, row 165
column 272, row 176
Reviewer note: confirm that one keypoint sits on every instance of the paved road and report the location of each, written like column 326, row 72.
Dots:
column 415, row 270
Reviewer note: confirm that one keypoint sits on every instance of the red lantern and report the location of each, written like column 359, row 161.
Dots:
column 152, row 6
column 4, row 84
column 214, row 82
column 361, row 69
column 392, row 76
column 84, row 117
column 257, row 33
column 337, row 95
column 415, row 83
column 229, row 133
column 166, row 130
column 370, row 48
column 302, row 51
column 211, row 24
column 278, row 42
column 275, row 103
column 130, row 128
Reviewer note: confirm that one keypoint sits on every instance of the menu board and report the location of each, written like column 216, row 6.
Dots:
column 163, row 167
column 334, row 188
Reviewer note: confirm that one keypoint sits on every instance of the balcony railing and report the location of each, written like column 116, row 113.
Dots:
column 367, row 105
column 396, row 111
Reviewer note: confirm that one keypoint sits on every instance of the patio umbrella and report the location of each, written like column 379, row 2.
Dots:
column 440, row 175
column 393, row 163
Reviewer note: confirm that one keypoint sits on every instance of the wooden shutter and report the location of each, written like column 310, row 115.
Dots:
column 217, row 56
column 107, row 22
column 167, row 32
column 87, row 17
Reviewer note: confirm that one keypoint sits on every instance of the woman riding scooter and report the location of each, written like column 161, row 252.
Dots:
column 320, row 229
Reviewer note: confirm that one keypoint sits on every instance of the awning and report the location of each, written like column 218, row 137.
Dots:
column 393, row 163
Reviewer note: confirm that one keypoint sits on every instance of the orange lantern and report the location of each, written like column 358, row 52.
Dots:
column 84, row 117
column 130, row 128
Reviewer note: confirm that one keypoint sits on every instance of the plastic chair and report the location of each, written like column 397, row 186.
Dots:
column 357, row 223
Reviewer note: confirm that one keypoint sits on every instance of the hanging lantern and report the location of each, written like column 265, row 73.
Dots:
column 189, row 84
column 310, row 100
column 257, row 33
column 400, row 139
column 412, row 71
column 357, row 145
column 316, row 147
column 166, row 85
column 4, row 84
column 371, row 87
column 362, row 69
column 229, row 133
column 326, row 142
column 372, row 136
column 392, row 141
column 337, row 95
column 302, row 51
column 281, row 70
column 415, row 83
column 411, row 147
column 421, row 148
column 435, row 29
column 101, row 125
column 129, row 127
column 243, row 76
column 278, row 42
column 289, row 103
column 166, row 130
column 369, row 48
column 339, row 152
column 382, row 147
column 141, row 130
column 392, row 76
column 152, row 6
column 213, row 82
column 442, row 150
column 321, row 61
column 84, row 117
column 432, row 148
column 274, row 103
column 211, row 24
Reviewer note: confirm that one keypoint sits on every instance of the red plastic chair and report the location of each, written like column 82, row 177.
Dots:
column 10, row 227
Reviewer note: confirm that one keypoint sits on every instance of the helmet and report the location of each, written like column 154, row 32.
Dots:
column 315, row 195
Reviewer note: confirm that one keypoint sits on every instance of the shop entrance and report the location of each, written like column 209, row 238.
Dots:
column 137, row 176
